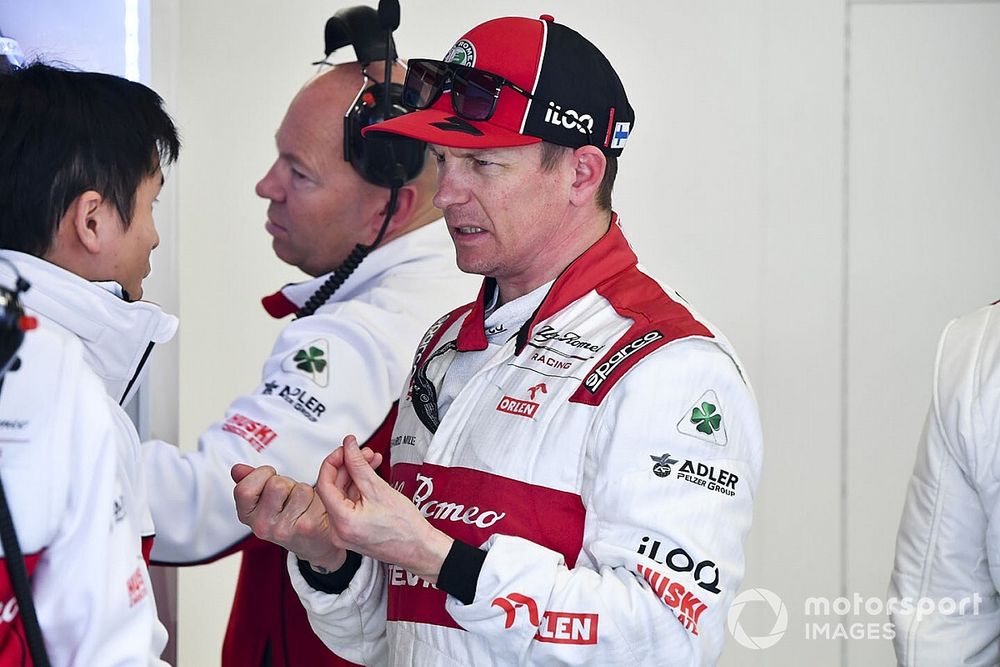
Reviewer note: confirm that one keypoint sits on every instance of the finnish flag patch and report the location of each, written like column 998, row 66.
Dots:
column 620, row 135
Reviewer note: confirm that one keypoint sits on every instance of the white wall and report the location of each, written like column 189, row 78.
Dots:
column 816, row 176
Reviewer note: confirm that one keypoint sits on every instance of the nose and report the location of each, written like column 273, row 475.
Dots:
column 269, row 187
column 450, row 190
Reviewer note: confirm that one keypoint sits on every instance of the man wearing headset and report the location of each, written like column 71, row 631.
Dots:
column 333, row 371
column 576, row 453
column 81, row 159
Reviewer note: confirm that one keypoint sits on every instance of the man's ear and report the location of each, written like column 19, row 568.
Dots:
column 589, row 164
column 406, row 204
column 86, row 221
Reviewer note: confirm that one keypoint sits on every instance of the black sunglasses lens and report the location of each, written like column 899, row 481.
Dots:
column 474, row 93
column 422, row 86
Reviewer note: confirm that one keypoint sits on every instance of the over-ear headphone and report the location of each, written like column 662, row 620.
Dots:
column 13, row 321
column 385, row 160
column 388, row 161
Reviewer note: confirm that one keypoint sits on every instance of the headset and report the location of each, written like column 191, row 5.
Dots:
column 388, row 160
column 382, row 160
column 13, row 324
column 13, row 321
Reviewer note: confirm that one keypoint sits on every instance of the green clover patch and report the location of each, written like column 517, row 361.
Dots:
column 705, row 418
column 310, row 361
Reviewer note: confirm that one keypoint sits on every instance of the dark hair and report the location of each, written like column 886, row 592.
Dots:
column 64, row 132
column 552, row 152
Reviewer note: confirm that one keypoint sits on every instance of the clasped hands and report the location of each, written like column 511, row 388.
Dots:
column 349, row 508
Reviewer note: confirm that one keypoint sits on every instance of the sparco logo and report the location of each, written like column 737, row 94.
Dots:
column 705, row 573
column 569, row 119
column 601, row 373
column 445, row 511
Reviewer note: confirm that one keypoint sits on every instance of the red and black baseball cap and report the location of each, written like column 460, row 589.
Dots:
column 576, row 98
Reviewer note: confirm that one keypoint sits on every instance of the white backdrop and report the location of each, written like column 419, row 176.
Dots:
column 817, row 176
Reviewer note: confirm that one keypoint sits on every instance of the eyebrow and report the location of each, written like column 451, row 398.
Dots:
column 468, row 152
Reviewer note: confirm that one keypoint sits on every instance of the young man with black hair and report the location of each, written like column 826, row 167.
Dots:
column 576, row 452
column 81, row 159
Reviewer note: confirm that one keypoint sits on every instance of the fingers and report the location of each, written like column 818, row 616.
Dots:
column 358, row 465
column 249, row 488
column 239, row 471
column 332, row 480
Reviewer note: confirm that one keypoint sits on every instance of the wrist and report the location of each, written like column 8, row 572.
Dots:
column 430, row 555
column 325, row 564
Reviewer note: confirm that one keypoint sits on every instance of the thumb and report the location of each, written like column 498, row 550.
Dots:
column 357, row 465
column 239, row 471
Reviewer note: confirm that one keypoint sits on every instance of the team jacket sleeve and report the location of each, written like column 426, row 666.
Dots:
column 943, row 582
column 329, row 375
column 668, row 508
column 85, row 607
column 350, row 623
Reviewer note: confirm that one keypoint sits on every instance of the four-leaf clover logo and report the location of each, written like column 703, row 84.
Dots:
column 310, row 361
column 705, row 418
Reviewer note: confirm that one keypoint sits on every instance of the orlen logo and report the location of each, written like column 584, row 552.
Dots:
column 554, row 627
column 569, row 119
column 563, row 627
column 515, row 406
column 445, row 511
column 8, row 611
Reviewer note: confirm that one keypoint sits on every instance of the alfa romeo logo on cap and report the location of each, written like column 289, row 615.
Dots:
column 463, row 53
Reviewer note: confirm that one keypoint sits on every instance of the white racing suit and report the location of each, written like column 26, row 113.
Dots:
column 57, row 459
column 117, row 338
column 947, row 569
column 605, row 457
column 335, row 372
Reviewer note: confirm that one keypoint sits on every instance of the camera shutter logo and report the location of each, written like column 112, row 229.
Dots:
column 777, row 629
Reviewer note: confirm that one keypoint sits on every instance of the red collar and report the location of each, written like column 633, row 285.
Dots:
column 607, row 258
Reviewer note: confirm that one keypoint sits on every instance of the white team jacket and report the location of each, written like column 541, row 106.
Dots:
column 606, row 457
column 335, row 372
column 57, row 459
column 948, row 547
column 117, row 338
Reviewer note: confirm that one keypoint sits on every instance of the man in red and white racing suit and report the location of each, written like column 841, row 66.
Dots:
column 947, row 567
column 576, row 452
column 612, row 526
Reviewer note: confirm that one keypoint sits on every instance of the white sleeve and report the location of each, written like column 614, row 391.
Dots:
column 944, row 581
column 668, row 509
column 88, row 613
column 351, row 623
column 329, row 375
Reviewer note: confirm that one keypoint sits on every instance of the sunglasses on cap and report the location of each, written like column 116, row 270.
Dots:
column 474, row 92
